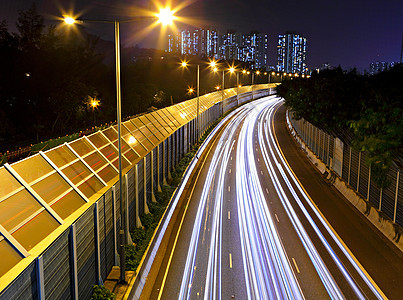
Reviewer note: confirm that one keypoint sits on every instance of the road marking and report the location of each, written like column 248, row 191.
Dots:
column 258, row 159
column 229, row 215
column 267, row 191
column 230, row 261
column 256, row 149
column 229, row 171
column 276, row 218
column 261, row 172
column 231, row 157
column 229, row 188
column 295, row 264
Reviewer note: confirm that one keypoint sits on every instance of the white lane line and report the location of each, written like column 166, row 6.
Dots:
column 229, row 188
column 295, row 264
column 267, row 191
column 229, row 215
column 277, row 218
column 229, row 171
column 230, row 261
column 261, row 172
column 258, row 159
column 231, row 157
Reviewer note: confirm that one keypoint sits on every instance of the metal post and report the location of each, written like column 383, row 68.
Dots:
column 253, row 79
column 396, row 193
column 223, row 87
column 369, row 182
column 237, row 88
column 349, row 168
column 198, row 95
column 359, row 167
column 118, row 98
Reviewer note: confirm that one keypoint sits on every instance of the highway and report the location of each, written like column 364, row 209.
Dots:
column 248, row 229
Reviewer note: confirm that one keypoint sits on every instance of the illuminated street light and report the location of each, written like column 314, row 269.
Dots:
column 165, row 17
column 69, row 20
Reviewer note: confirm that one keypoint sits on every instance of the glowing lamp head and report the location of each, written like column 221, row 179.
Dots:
column 184, row 64
column 69, row 20
column 215, row 69
column 232, row 70
column 243, row 71
column 191, row 91
column 257, row 72
column 213, row 64
column 273, row 73
column 217, row 87
column 248, row 72
column 166, row 16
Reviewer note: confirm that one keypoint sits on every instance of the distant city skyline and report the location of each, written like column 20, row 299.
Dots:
column 346, row 33
column 209, row 43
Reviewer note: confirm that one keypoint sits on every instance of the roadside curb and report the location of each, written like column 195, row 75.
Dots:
column 389, row 229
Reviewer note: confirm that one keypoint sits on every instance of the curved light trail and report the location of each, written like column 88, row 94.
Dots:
column 268, row 271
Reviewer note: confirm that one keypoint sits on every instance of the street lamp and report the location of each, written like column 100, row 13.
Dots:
column 232, row 70
column 164, row 17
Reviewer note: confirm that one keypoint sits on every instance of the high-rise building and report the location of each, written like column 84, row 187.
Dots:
column 230, row 46
column 291, row 53
column 200, row 42
column 377, row 67
column 250, row 48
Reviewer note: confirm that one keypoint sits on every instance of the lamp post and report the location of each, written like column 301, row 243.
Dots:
column 165, row 17
column 184, row 64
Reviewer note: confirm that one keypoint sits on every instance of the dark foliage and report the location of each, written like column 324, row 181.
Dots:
column 48, row 74
column 365, row 111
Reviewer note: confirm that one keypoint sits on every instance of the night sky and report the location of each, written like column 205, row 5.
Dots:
column 352, row 33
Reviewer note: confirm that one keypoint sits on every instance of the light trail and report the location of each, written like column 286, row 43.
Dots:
column 268, row 271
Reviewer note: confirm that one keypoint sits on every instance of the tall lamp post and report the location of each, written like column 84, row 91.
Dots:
column 184, row 64
column 165, row 17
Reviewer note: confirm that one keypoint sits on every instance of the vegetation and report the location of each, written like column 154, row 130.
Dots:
column 365, row 111
column 100, row 292
column 50, row 74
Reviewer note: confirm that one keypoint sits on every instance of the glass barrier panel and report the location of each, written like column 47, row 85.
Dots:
column 82, row 147
column 110, row 133
column 8, row 183
column 107, row 174
column 109, row 152
column 95, row 161
column 61, row 156
column 17, row 209
column 32, row 168
column 35, row 230
column 68, row 204
column 91, row 186
column 98, row 140
column 51, row 187
column 77, row 172
column 9, row 256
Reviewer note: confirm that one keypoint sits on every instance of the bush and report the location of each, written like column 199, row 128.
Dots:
column 100, row 292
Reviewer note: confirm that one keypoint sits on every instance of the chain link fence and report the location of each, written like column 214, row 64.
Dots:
column 352, row 166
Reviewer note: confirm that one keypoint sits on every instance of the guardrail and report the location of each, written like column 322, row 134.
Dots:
column 59, row 217
column 351, row 165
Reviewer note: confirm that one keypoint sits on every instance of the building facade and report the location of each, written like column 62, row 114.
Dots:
column 199, row 42
column 291, row 53
column 251, row 48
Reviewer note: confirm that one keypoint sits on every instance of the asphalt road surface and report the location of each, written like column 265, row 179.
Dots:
column 257, row 221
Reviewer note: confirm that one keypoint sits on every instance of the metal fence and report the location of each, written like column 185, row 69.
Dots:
column 61, row 249
column 352, row 166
